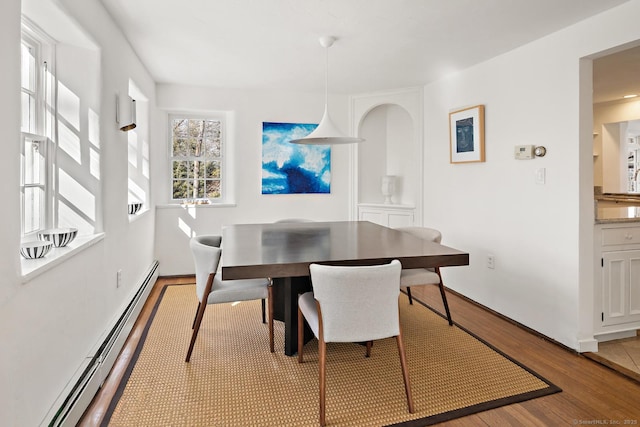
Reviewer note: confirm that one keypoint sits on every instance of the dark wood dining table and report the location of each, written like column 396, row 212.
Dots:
column 283, row 252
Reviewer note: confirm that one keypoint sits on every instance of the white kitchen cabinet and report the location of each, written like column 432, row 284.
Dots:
column 393, row 216
column 621, row 287
column 618, row 302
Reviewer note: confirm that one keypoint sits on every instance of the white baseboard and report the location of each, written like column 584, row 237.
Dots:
column 90, row 376
column 590, row 345
column 616, row 335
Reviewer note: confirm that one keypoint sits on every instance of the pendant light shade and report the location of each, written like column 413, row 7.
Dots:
column 326, row 132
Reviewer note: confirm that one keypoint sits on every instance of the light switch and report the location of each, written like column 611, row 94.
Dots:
column 541, row 175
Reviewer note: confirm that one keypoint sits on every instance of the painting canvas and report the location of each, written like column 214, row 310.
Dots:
column 466, row 131
column 293, row 168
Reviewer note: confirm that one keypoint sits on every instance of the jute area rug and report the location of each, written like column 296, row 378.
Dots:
column 233, row 379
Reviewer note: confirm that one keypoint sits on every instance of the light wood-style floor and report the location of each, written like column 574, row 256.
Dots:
column 592, row 393
column 623, row 355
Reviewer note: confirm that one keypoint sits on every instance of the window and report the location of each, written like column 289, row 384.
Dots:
column 196, row 158
column 36, row 145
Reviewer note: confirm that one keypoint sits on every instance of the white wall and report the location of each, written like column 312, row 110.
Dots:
column 50, row 323
column 247, row 109
column 541, row 235
column 372, row 155
column 400, row 154
column 388, row 149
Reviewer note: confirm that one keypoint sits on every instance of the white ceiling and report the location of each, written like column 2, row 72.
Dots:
column 616, row 75
column 382, row 44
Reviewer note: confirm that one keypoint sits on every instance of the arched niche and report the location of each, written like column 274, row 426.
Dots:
column 391, row 124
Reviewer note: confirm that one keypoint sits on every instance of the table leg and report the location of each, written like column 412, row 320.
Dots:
column 286, row 291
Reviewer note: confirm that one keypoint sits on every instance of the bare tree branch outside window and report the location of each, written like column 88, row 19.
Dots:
column 196, row 159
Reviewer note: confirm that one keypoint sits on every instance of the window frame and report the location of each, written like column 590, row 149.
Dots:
column 221, row 118
column 40, row 131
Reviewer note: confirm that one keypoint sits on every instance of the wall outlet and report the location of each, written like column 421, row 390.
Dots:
column 118, row 278
column 491, row 261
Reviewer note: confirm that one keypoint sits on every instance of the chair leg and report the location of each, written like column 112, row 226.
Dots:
column 444, row 299
column 300, row 334
column 201, row 307
column 195, row 317
column 405, row 372
column 270, row 296
column 368, row 353
column 196, row 328
column 322, row 347
column 409, row 295
column 264, row 312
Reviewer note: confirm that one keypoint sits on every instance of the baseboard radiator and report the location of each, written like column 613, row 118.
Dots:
column 77, row 396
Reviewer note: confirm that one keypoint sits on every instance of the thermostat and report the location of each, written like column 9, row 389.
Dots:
column 524, row 152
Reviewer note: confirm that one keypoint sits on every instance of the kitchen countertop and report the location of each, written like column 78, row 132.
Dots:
column 617, row 207
column 619, row 197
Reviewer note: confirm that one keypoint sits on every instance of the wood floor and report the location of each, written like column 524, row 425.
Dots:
column 623, row 355
column 592, row 393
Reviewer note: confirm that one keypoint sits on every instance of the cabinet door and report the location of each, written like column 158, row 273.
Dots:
column 621, row 287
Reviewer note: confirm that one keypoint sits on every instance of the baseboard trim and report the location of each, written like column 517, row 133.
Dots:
column 82, row 387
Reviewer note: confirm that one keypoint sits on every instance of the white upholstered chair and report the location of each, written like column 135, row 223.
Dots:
column 424, row 276
column 211, row 289
column 337, row 312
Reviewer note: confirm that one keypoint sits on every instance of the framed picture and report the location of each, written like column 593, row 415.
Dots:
column 466, row 135
column 293, row 168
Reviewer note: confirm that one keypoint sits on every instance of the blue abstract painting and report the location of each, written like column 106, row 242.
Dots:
column 293, row 168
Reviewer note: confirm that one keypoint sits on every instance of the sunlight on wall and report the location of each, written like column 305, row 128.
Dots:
column 69, row 142
column 191, row 211
column 82, row 201
column 132, row 145
column 185, row 228
column 145, row 159
column 68, row 106
column 94, row 144
column 94, row 163
column 69, row 123
column 136, row 194
column 138, row 149
column 69, row 216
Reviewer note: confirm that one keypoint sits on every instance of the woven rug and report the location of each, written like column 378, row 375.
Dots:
column 233, row 379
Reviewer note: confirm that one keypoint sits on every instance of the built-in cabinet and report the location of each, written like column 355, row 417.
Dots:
column 618, row 279
column 393, row 216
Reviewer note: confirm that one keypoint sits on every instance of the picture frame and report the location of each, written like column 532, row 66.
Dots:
column 466, row 135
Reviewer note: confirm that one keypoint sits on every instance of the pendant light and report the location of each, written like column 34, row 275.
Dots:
column 326, row 132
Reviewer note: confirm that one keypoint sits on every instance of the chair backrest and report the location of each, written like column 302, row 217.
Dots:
column 425, row 233
column 357, row 303
column 206, row 256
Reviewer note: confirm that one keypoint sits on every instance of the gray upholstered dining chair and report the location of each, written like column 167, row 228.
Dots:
column 424, row 276
column 211, row 289
column 335, row 312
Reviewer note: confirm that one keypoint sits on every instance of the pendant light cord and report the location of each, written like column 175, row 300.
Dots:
column 326, row 78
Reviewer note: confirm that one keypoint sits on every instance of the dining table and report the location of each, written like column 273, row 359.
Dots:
column 283, row 251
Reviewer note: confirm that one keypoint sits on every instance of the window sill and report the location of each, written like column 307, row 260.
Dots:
column 32, row 268
column 191, row 206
